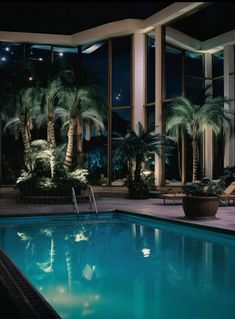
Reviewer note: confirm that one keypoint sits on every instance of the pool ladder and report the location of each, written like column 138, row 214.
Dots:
column 91, row 199
column 75, row 203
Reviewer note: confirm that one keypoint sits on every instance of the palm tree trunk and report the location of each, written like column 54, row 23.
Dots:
column 69, row 152
column 195, row 153
column 137, row 173
column 179, row 160
column 79, row 141
column 52, row 143
column 25, row 137
column 183, row 158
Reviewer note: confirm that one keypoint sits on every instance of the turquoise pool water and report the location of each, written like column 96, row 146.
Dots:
column 122, row 266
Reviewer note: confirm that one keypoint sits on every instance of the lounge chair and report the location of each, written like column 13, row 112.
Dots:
column 229, row 194
column 172, row 194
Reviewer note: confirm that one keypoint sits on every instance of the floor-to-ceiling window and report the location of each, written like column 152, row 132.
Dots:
column 194, row 71
column 120, row 96
column 11, row 57
column 184, row 76
column 94, row 59
column 218, row 91
column 110, row 65
column 150, row 90
column 173, row 87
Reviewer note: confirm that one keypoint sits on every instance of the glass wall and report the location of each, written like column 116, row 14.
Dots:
column 94, row 59
column 121, row 71
column 184, row 76
column 218, row 91
column 65, row 56
column 218, row 74
column 36, row 53
column 150, row 91
column 121, row 99
column 109, row 65
column 11, row 52
column 173, row 72
column 150, row 69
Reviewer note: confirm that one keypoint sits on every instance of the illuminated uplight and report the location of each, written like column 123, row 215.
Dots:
column 7, row 48
column 40, row 59
column 30, row 78
column 61, row 54
column 146, row 252
column 3, row 58
column 147, row 172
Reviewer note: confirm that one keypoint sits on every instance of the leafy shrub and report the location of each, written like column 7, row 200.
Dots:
column 31, row 184
column 228, row 177
column 140, row 189
column 205, row 188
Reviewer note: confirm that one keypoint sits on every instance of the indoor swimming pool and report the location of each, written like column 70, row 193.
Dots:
column 120, row 265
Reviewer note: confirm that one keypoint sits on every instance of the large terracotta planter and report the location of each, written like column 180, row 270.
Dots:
column 199, row 207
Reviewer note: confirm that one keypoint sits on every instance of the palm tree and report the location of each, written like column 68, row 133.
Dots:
column 26, row 111
column 80, row 106
column 135, row 149
column 187, row 118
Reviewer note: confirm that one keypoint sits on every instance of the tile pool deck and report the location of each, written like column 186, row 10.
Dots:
column 225, row 218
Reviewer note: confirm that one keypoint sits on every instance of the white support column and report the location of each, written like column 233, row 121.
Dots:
column 138, row 79
column 208, row 135
column 159, row 163
column 229, row 156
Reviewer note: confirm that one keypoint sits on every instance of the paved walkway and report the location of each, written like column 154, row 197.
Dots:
column 225, row 217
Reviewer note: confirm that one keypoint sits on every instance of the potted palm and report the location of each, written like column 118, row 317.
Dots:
column 202, row 198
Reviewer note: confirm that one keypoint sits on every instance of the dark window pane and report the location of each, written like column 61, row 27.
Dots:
column 150, row 69
column 173, row 72
column 96, row 158
column 38, row 53
column 218, row 64
column 121, row 71
column 65, row 56
column 12, row 160
column 218, row 156
column 121, row 121
column 195, row 90
column 150, row 117
column 218, row 88
column 95, row 61
column 194, row 64
column 173, row 157
column 11, row 52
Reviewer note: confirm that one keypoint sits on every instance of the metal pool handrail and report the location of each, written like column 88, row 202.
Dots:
column 75, row 203
column 93, row 198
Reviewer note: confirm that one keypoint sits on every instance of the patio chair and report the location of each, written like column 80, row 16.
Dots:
column 173, row 195
column 229, row 194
